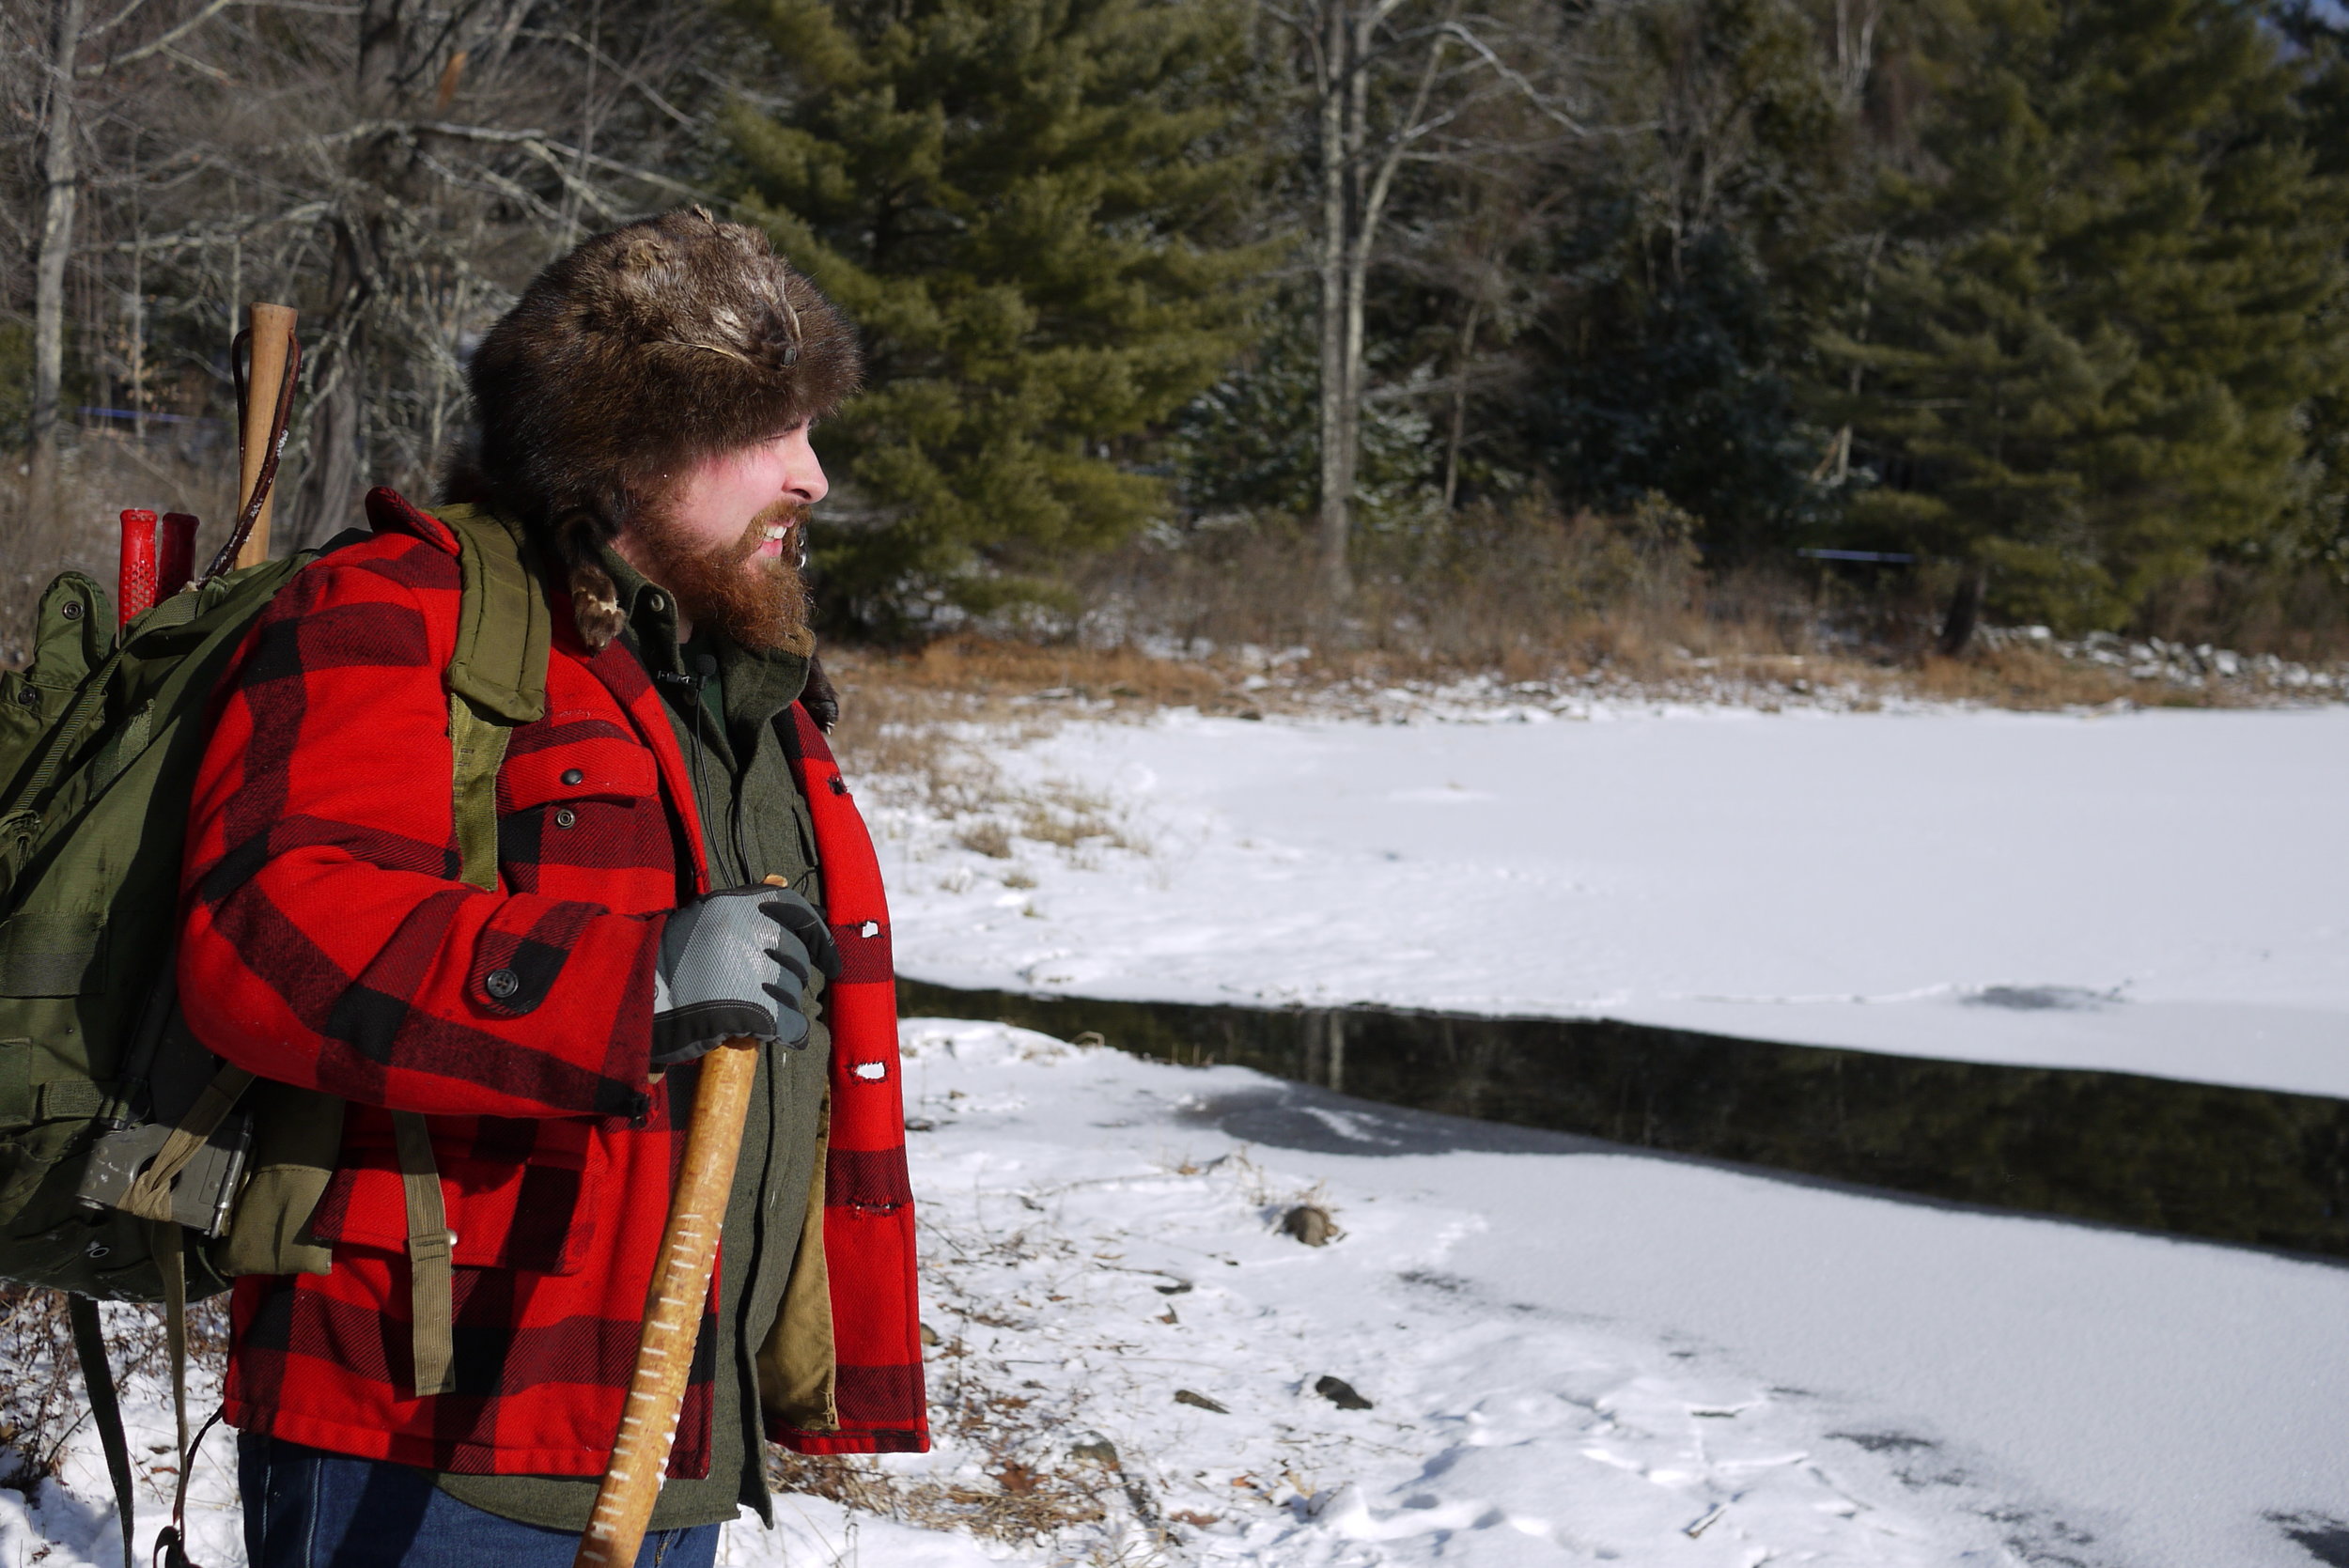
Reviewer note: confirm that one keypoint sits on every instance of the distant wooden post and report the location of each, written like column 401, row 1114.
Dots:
column 272, row 328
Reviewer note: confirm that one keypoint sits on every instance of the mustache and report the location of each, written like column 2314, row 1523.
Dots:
column 789, row 515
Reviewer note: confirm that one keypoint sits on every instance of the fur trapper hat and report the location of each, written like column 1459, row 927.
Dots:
column 640, row 352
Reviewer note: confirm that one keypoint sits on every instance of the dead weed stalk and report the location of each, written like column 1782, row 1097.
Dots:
column 42, row 1401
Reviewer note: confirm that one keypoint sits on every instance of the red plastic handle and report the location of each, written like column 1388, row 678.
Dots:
column 137, row 582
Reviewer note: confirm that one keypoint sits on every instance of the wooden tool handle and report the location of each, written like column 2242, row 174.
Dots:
column 271, row 328
column 688, row 1249
column 681, row 1284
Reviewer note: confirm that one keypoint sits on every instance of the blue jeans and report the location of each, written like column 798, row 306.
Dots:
column 304, row 1508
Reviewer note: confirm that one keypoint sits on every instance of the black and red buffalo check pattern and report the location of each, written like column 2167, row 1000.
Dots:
column 327, row 943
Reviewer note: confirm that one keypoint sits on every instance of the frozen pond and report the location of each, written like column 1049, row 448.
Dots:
column 2154, row 892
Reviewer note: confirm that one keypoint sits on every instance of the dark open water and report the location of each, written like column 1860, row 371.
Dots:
column 2250, row 1166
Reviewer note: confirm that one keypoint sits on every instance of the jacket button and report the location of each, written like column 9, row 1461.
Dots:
column 564, row 816
column 502, row 983
column 574, row 776
column 29, row 697
column 70, row 610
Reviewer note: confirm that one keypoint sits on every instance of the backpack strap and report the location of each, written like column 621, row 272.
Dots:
column 150, row 1196
column 505, row 628
column 168, row 1244
column 432, row 1282
column 105, row 1408
column 497, row 678
column 171, row 1540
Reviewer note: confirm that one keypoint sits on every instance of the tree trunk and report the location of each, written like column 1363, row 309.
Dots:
column 1354, row 196
column 1459, row 407
column 1362, row 225
column 1958, row 630
column 334, row 436
column 332, row 479
column 61, row 174
column 1337, row 477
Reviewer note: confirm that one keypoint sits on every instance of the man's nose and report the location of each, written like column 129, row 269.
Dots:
column 803, row 478
column 807, row 483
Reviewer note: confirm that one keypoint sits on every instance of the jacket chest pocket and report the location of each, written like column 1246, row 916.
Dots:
column 516, row 1189
column 574, row 815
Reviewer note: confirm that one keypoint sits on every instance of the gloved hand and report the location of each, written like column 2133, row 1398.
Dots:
column 736, row 963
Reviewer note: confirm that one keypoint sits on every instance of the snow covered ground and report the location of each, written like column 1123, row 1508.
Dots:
column 2155, row 891
column 1572, row 1355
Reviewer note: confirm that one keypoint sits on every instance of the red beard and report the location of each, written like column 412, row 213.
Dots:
column 759, row 605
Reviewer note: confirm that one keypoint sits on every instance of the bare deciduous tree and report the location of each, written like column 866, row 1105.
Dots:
column 395, row 168
column 1396, row 85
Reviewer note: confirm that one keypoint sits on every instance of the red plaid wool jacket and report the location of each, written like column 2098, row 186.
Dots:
column 327, row 942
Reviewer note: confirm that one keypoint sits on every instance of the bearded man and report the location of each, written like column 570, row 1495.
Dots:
column 677, row 862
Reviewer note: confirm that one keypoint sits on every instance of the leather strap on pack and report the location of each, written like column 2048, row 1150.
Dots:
column 430, row 1281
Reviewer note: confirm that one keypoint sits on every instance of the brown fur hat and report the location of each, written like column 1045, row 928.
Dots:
column 640, row 352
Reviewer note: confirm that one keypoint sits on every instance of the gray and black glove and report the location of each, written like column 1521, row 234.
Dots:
column 736, row 963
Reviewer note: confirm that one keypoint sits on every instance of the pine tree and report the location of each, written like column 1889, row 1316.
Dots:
column 2100, row 324
column 1012, row 198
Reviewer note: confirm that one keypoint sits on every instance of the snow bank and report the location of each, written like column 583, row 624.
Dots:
column 2152, row 891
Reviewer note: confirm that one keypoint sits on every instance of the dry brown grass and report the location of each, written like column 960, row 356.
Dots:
column 1033, row 1485
column 2033, row 679
column 904, row 718
column 981, row 673
column 914, row 739
column 1616, row 607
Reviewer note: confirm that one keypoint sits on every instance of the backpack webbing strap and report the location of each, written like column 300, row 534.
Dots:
column 149, row 1196
column 497, row 678
column 477, row 750
column 497, row 674
column 171, row 1541
column 98, row 1379
column 86, row 706
column 164, row 1243
column 432, row 1283
column 505, row 629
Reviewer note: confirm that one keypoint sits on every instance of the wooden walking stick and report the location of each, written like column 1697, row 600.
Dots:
column 681, row 1285
column 270, row 327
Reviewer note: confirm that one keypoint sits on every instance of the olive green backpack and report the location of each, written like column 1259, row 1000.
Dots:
column 134, row 1165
